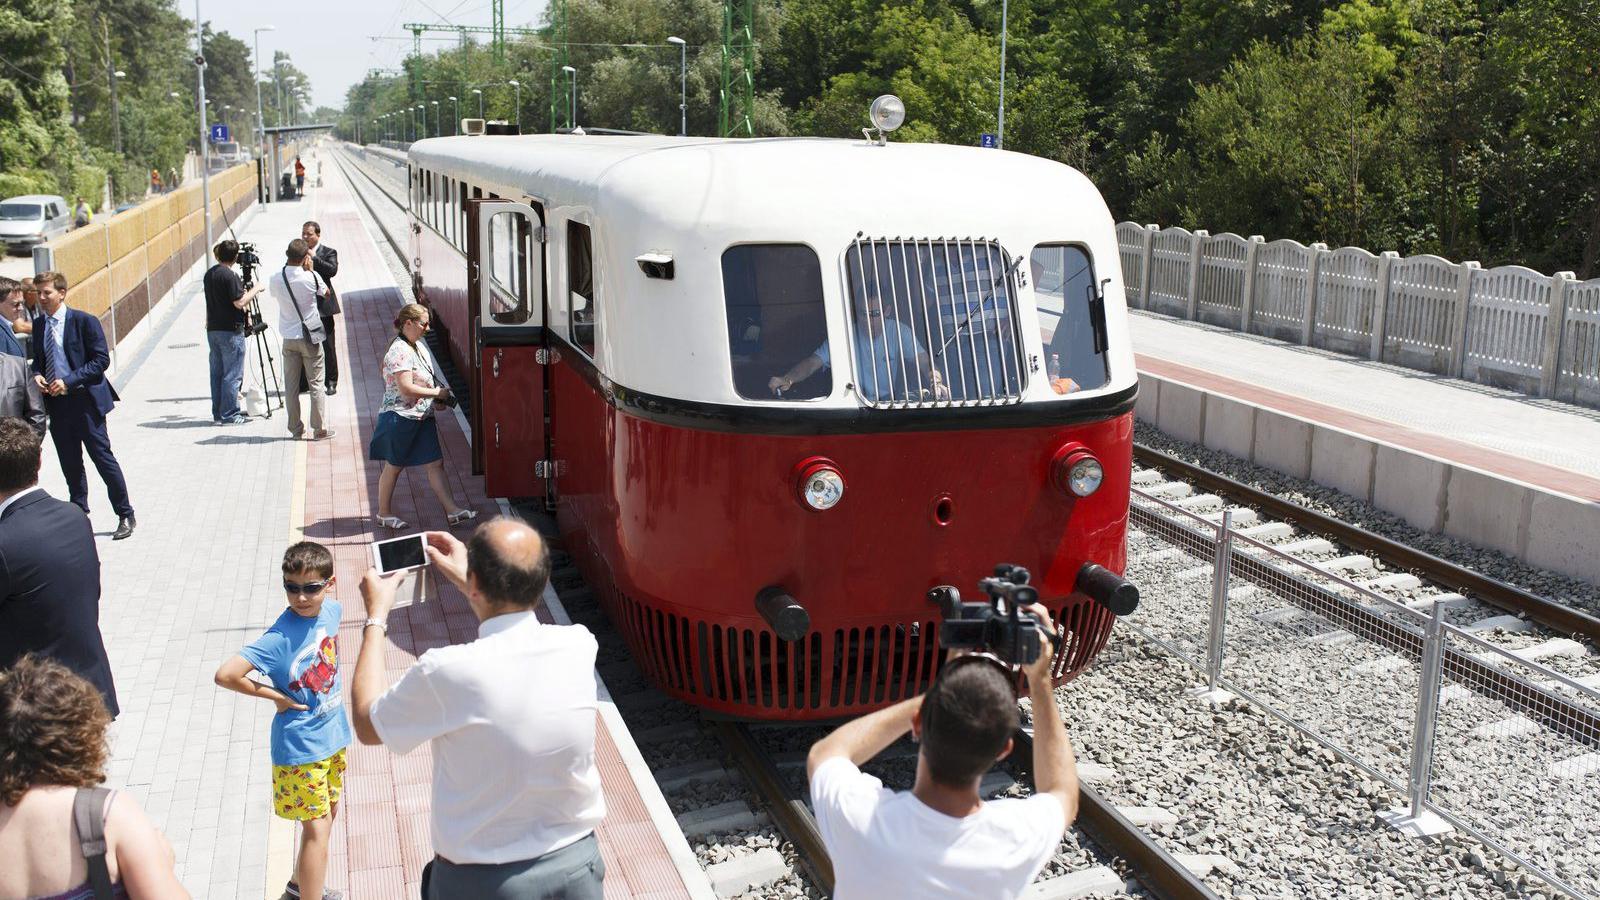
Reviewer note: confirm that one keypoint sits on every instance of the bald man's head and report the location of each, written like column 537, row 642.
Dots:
column 509, row 562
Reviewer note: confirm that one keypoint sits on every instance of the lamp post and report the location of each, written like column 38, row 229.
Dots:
column 455, row 123
column 518, row 85
column 288, row 83
column 683, row 84
column 438, row 126
column 116, row 115
column 261, row 125
column 200, row 102
column 479, row 92
column 422, row 132
column 572, row 116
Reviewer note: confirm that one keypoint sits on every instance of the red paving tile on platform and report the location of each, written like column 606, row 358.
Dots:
column 381, row 840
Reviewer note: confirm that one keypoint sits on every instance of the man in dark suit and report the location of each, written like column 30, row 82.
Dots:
column 325, row 262
column 49, row 570
column 10, row 309
column 70, row 367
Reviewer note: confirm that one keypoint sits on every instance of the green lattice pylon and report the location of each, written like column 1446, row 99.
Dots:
column 560, row 98
column 737, row 99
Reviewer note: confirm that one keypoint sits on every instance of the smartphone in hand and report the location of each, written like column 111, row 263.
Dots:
column 399, row 554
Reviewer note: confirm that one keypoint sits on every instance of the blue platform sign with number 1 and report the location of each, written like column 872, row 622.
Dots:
column 987, row 140
column 219, row 133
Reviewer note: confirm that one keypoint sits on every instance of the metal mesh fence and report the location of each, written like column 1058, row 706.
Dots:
column 1515, row 759
column 1504, row 747
column 1170, row 548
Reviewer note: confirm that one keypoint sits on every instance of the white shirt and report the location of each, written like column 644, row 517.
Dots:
column 512, row 718
column 6, row 504
column 890, row 844
column 304, row 285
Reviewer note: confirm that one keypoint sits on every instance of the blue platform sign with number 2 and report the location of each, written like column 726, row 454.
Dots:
column 987, row 140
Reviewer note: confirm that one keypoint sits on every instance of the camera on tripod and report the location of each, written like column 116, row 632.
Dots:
column 249, row 259
column 1001, row 625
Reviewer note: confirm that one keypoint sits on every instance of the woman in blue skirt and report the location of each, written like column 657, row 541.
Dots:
column 406, row 434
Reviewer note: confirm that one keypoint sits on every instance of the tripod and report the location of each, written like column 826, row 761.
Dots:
column 258, row 327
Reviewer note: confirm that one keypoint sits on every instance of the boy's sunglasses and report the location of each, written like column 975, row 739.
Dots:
column 309, row 589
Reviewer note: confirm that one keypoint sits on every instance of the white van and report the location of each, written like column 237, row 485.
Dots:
column 26, row 222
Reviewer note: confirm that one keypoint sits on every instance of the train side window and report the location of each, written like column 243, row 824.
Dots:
column 777, row 323
column 580, row 285
column 1072, row 319
column 507, row 254
column 450, row 210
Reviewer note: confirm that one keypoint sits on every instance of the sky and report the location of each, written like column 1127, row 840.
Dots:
column 331, row 40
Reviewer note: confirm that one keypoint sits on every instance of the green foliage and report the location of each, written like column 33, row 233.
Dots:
column 1468, row 129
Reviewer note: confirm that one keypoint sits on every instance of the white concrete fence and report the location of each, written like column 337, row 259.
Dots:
column 1510, row 327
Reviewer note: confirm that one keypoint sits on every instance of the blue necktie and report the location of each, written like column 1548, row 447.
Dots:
column 55, row 358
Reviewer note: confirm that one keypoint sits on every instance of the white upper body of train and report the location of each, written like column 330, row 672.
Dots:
column 978, row 256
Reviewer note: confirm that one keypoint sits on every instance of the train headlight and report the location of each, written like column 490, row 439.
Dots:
column 1077, row 472
column 821, row 485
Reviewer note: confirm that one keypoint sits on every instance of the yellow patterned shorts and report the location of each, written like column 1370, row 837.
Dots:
column 308, row 791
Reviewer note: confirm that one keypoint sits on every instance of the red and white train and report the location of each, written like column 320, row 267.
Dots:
column 778, row 389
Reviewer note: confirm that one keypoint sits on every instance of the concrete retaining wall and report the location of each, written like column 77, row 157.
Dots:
column 1547, row 529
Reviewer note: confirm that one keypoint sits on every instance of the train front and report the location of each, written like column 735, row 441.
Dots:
column 926, row 372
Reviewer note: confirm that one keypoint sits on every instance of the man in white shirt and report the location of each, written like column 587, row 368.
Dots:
column 511, row 721
column 941, row 839
column 296, row 288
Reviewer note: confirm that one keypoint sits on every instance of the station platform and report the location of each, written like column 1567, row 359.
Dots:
column 216, row 507
column 1496, row 468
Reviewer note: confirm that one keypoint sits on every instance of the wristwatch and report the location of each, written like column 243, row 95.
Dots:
column 381, row 623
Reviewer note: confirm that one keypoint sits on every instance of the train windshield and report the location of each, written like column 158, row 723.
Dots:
column 933, row 323
column 1072, row 318
column 777, row 327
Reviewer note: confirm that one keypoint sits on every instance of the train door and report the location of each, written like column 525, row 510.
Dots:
column 506, row 278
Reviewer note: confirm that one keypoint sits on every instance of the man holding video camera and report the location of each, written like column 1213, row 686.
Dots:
column 941, row 839
column 226, row 330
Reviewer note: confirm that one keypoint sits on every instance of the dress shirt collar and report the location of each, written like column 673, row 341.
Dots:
column 6, row 504
column 505, row 622
column 60, row 315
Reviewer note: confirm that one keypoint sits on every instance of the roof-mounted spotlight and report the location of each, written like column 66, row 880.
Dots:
column 887, row 113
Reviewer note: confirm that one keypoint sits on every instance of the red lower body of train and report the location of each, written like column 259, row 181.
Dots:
column 678, row 515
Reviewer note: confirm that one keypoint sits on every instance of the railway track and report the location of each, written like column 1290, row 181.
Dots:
column 693, row 758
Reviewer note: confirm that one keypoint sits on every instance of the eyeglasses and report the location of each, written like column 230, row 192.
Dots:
column 420, row 324
column 309, row 589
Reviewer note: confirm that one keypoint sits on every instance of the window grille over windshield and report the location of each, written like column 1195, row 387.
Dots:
column 933, row 322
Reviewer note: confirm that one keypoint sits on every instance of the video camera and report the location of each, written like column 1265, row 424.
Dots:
column 248, row 260
column 1000, row 625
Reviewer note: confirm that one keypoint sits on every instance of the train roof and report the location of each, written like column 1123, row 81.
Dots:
column 711, row 181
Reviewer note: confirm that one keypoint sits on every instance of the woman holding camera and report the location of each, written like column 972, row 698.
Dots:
column 406, row 434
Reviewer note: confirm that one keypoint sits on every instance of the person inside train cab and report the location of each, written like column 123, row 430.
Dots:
column 892, row 363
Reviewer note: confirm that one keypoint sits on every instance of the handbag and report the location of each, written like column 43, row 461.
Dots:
column 313, row 329
column 89, row 817
column 438, row 380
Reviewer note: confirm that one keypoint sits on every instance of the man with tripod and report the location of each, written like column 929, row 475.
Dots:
column 227, row 327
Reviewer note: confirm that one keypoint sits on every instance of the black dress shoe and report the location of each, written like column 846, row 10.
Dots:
column 333, row 388
column 124, row 528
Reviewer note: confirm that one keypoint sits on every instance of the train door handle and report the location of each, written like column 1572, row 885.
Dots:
column 496, row 367
column 497, row 435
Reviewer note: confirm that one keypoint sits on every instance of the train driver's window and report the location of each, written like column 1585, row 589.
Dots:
column 777, row 325
column 580, row 284
column 1072, row 318
column 507, row 254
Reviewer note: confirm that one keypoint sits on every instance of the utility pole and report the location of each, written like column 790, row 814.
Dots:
column 111, row 80
column 1000, row 127
column 261, row 124
column 205, row 132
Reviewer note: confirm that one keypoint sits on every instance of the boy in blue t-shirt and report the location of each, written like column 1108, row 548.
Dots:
column 299, row 655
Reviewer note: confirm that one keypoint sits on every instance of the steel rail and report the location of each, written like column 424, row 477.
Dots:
column 787, row 809
column 1558, row 617
column 1157, row 870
